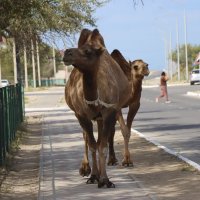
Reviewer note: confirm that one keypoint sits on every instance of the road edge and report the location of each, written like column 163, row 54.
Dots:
column 188, row 161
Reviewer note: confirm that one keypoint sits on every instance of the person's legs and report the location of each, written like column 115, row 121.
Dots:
column 165, row 92
column 161, row 94
column 166, row 95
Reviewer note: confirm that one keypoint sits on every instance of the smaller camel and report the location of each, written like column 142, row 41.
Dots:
column 135, row 72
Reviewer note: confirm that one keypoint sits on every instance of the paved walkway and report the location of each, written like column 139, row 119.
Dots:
column 61, row 154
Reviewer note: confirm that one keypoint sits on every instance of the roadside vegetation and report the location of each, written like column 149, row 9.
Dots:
column 192, row 51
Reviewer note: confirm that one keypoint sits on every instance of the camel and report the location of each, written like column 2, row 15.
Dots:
column 135, row 72
column 94, row 92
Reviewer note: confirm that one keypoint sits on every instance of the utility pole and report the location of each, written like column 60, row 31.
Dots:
column 38, row 63
column 33, row 63
column 25, row 68
column 2, row 46
column 14, row 61
column 178, row 54
column 186, row 54
column 170, row 54
column 54, row 62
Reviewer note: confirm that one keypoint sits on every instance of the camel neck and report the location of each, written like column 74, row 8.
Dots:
column 136, row 84
column 90, row 86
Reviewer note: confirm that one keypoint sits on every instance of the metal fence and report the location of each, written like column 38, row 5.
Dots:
column 11, row 116
column 49, row 82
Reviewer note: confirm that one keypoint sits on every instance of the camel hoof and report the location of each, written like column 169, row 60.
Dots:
column 93, row 179
column 105, row 183
column 127, row 163
column 85, row 170
column 112, row 161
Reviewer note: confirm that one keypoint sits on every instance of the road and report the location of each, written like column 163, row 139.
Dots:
column 175, row 125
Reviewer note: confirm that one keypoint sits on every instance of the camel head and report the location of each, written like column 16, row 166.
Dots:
column 90, row 48
column 139, row 68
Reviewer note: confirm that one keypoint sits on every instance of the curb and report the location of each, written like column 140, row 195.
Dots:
column 194, row 94
column 190, row 162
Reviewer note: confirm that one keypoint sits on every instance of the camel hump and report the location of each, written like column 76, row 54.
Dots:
column 119, row 58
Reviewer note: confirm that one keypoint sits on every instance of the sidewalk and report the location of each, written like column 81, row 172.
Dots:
column 61, row 155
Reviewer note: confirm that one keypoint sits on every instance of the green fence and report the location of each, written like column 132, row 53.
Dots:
column 49, row 82
column 11, row 116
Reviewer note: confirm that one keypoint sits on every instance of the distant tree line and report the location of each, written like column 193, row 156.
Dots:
column 192, row 51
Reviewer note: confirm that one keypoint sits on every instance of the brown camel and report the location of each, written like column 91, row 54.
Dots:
column 135, row 72
column 94, row 92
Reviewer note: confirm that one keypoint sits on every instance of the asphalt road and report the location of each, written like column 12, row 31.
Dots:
column 175, row 125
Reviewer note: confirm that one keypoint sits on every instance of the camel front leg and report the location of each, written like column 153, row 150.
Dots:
column 85, row 168
column 109, row 121
column 126, row 135
column 87, row 126
column 133, row 109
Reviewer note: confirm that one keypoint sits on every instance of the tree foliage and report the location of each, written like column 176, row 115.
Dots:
column 34, row 18
column 38, row 19
column 192, row 51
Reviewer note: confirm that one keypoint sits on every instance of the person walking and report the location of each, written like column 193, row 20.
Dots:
column 163, row 87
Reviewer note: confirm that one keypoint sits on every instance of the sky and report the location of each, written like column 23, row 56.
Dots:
column 143, row 31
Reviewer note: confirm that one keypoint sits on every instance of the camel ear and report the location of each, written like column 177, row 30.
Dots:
column 97, row 38
column 134, row 65
column 83, row 37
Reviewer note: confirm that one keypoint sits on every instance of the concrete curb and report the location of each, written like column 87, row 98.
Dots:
column 190, row 162
column 194, row 94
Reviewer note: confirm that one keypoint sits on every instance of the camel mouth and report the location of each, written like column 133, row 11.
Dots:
column 67, row 63
column 146, row 73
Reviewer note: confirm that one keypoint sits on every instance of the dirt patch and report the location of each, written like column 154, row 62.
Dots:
column 165, row 175
column 19, row 180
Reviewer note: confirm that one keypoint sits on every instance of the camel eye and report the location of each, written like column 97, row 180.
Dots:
column 135, row 67
column 88, row 52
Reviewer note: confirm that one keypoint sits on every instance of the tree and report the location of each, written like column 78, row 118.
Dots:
column 38, row 19
column 45, row 19
column 25, row 19
column 193, row 50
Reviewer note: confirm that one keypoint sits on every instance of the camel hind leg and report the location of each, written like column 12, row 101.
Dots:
column 126, row 135
column 112, row 160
